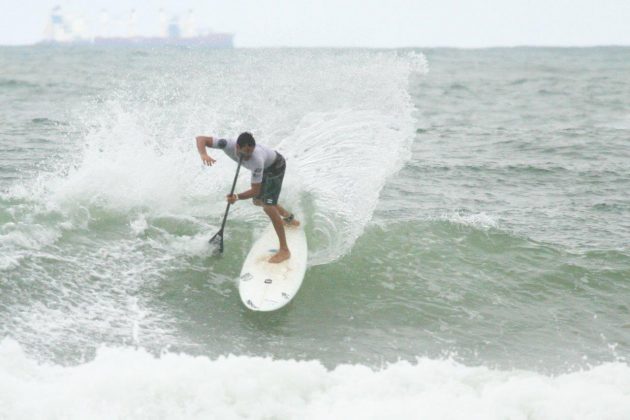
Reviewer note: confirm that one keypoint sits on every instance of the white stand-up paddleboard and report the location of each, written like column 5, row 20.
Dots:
column 264, row 286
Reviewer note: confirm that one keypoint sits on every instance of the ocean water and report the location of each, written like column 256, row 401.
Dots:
column 467, row 212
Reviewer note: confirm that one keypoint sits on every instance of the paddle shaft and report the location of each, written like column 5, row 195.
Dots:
column 227, row 209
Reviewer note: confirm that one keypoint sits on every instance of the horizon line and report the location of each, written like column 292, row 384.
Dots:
column 445, row 46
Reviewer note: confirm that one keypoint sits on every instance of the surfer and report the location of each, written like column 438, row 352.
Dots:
column 267, row 167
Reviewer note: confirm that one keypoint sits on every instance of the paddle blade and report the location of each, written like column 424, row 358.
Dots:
column 217, row 242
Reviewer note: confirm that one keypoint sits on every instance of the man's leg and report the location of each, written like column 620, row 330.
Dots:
column 283, row 253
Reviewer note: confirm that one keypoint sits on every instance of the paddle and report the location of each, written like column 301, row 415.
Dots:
column 217, row 239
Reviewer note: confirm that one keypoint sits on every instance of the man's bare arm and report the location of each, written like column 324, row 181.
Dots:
column 202, row 143
column 252, row 192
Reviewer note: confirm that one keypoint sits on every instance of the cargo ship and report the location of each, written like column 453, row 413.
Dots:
column 63, row 29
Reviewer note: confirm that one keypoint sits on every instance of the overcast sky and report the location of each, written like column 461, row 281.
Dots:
column 365, row 23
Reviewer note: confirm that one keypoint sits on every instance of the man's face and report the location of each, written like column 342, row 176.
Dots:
column 245, row 151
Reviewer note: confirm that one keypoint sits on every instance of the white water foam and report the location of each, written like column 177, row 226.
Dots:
column 123, row 383
column 19, row 240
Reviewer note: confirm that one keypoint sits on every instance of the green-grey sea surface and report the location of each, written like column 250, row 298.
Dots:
column 472, row 204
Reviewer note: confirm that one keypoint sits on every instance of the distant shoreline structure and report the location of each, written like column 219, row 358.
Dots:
column 63, row 30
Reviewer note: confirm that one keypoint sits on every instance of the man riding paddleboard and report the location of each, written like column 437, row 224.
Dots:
column 267, row 167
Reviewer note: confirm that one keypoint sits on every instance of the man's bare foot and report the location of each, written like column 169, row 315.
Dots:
column 290, row 220
column 292, row 223
column 282, row 255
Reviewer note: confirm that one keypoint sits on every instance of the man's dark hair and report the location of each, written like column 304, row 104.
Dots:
column 246, row 139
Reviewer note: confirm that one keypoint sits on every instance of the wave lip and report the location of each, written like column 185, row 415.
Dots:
column 477, row 220
column 129, row 383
